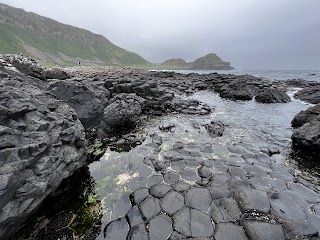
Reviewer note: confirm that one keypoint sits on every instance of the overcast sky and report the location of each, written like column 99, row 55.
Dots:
column 251, row 34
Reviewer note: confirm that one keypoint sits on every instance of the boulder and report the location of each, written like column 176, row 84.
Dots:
column 25, row 65
column 306, row 135
column 55, row 73
column 41, row 142
column 309, row 94
column 123, row 110
column 305, row 116
column 88, row 100
column 237, row 90
column 215, row 129
column 272, row 95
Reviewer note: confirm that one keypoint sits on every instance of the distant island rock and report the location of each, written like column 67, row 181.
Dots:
column 208, row 62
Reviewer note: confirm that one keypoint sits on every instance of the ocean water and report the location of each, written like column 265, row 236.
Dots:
column 310, row 75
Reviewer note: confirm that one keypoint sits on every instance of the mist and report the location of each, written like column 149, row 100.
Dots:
column 266, row 34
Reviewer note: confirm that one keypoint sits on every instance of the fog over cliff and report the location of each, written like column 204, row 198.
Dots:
column 251, row 34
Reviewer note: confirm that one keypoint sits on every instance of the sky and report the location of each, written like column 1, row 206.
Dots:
column 251, row 34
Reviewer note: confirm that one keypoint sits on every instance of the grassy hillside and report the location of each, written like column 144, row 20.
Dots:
column 54, row 43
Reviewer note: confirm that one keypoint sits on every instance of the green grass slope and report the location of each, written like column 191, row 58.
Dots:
column 54, row 43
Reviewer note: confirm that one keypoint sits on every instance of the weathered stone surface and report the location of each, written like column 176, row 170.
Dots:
column 138, row 232
column 215, row 129
column 117, row 229
column 198, row 198
column 122, row 110
column 182, row 221
column 172, row 202
column 237, row 90
column 88, row 102
column 309, row 94
column 134, row 216
column 225, row 210
column 150, row 207
column 229, row 231
column 160, row 227
column 263, row 231
column 201, row 225
column 307, row 134
column 253, row 200
column 159, row 190
column 140, row 194
column 42, row 142
column 305, row 116
column 272, row 95
column 25, row 65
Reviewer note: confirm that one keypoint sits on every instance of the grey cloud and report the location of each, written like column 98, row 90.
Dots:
column 266, row 34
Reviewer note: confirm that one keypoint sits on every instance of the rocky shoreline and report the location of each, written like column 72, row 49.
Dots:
column 48, row 115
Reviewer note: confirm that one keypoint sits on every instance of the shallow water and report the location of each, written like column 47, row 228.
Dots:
column 248, row 125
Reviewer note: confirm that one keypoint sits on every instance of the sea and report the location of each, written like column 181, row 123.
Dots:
column 309, row 75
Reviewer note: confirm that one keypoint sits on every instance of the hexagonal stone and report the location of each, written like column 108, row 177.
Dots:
column 181, row 186
column 229, row 231
column 262, row 230
column 150, row 207
column 204, row 172
column 198, row 198
column 138, row 232
column 159, row 190
column 181, row 221
column 225, row 210
column 117, row 229
column 305, row 193
column 219, row 191
column 171, row 177
column 154, row 179
column 140, row 194
column 134, row 216
column 160, row 227
column 189, row 175
column 172, row 202
column 253, row 200
column 201, row 225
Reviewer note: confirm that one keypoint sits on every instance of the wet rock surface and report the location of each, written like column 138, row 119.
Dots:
column 306, row 135
column 42, row 142
column 229, row 203
column 193, row 177
column 272, row 96
column 309, row 94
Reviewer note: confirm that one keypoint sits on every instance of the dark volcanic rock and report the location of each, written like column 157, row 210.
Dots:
column 305, row 116
column 55, row 73
column 41, row 142
column 123, row 110
column 25, row 65
column 306, row 136
column 271, row 95
column 215, row 129
column 237, row 90
column 88, row 102
column 309, row 94
column 117, row 229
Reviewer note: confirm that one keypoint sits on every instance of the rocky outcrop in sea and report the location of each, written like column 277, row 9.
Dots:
column 178, row 189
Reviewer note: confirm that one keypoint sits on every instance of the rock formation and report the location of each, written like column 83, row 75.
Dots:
column 208, row 62
column 309, row 94
column 306, row 135
column 272, row 96
column 42, row 142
